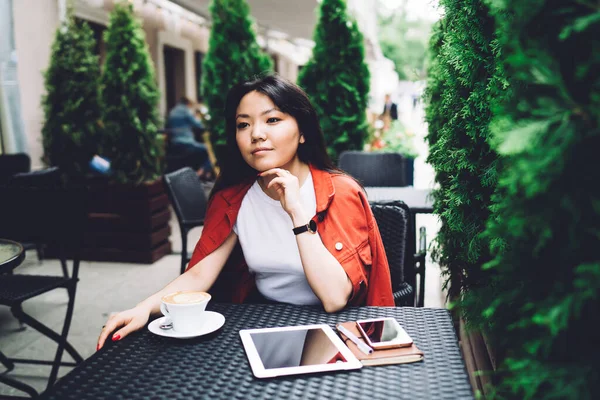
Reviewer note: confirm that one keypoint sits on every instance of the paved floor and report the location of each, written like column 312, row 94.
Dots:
column 106, row 287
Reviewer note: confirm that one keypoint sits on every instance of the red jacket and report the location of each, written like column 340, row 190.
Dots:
column 345, row 223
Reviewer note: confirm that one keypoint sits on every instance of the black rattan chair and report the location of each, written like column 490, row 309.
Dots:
column 375, row 169
column 398, row 236
column 56, row 217
column 47, row 178
column 11, row 164
column 189, row 201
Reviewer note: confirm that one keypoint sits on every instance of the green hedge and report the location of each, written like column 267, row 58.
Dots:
column 546, row 230
column 532, row 183
column 337, row 79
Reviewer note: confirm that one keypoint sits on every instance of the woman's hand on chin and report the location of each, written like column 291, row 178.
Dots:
column 285, row 186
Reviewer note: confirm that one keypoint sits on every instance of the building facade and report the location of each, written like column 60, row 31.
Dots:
column 177, row 39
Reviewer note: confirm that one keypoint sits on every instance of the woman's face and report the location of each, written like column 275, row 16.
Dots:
column 267, row 138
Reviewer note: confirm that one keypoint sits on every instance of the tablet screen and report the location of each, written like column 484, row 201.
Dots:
column 291, row 350
column 295, row 348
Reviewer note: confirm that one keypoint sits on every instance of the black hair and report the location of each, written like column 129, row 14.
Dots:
column 290, row 99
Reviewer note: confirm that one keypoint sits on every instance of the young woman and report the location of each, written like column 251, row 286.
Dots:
column 305, row 229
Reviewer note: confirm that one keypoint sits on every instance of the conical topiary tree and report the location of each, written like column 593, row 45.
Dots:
column 546, row 270
column 436, row 119
column 130, row 99
column 72, row 129
column 233, row 56
column 337, row 79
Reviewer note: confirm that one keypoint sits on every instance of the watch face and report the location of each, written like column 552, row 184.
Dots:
column 312, row 225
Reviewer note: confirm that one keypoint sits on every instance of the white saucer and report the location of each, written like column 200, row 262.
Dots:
column 213, row 321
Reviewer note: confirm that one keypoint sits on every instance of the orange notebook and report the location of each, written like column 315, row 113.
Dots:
column 400, row 355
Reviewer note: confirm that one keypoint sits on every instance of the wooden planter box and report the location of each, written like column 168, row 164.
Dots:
column 479, row 358
column 127, row 223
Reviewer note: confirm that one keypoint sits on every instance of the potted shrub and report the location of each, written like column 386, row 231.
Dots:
column 398, row 140
column 129, row 219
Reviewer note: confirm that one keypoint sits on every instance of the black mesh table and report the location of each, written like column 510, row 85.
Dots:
column 419, row 201
column 145, row 366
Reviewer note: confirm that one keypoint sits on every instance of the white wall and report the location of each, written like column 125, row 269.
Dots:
column 172, row 40
column 35, row 23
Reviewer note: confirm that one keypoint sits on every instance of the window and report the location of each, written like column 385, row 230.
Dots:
column 275, row 59
column 98, row 37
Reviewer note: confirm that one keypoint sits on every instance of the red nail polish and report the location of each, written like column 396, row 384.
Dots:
column 97, row 347
column 116, row 337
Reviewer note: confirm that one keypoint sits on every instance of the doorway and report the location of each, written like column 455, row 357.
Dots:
column 174, row 59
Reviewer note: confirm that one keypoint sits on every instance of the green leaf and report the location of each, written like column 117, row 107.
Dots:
column 523, row 137
column 580, row 25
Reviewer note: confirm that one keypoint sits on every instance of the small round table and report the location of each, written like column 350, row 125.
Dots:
column 11, row 255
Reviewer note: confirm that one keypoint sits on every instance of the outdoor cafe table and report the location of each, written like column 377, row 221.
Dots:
column 146, row 366
column 419, row 201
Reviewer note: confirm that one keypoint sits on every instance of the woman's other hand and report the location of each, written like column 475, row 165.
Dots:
column 128, row 321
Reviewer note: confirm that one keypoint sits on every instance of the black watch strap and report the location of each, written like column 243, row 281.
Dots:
column 310, row 227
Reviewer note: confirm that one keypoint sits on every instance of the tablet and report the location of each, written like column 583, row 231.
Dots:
column 293, row 350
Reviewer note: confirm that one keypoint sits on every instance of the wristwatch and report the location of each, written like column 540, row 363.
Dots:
column 310, row 227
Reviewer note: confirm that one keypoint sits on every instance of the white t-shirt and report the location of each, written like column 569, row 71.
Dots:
column 265, row 233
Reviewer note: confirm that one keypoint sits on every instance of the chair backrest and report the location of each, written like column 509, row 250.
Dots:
column 393, row 221
column 187, row 196
column 11, row 164
column 43, row 178
column 375, row 169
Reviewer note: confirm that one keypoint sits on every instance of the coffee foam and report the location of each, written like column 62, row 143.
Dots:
column 185, row 297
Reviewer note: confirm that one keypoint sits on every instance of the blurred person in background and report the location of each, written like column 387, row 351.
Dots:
column 390, row 112
column 182, row 142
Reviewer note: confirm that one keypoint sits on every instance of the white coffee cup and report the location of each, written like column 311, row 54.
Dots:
column 185, row 309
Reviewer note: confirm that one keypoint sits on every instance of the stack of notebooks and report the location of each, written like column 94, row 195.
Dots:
column 399, row 355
